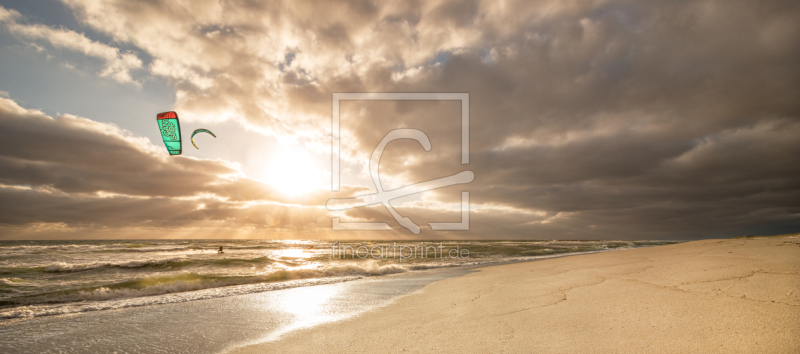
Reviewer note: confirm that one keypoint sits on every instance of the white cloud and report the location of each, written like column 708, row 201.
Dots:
column 118, row 64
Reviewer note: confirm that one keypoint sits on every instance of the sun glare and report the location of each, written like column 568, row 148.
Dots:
column 292, row 171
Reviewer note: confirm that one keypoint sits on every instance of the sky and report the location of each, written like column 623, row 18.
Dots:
column 607, row 119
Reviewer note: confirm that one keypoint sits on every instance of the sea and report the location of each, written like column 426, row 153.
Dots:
column 47, row 278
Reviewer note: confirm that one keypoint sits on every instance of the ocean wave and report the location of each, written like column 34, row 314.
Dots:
column 149, row 250
column 171, row 263
column 169, row 248
column 10, row 252
column 57, row 247
column 158, row 285
column 120, row 247
column 62, row 267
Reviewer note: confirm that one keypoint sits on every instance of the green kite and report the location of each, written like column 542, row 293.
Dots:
column 170, row 131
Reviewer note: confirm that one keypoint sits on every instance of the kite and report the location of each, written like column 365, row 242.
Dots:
column 200, row 131
column 170, row 131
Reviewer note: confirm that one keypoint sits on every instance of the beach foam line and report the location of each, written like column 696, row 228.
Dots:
column 41, row 310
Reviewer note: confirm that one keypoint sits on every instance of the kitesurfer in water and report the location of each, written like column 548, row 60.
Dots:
column 220, row 250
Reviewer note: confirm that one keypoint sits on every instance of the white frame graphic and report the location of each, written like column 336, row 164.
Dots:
column 384, row 197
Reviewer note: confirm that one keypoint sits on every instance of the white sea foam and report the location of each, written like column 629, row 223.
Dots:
column 136, row 299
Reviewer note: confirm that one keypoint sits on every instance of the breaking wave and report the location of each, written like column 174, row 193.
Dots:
column 173, row 263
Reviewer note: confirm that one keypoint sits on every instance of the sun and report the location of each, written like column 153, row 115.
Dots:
column 292, row 171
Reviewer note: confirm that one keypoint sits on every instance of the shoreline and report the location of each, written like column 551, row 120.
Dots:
column 718, row 295
column 24, row 312
column 218, row 324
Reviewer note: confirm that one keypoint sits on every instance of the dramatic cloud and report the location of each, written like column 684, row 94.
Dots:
column 117, row 64
column 589, row 119
column 75, row 172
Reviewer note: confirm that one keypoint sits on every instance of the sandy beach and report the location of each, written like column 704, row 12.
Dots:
column 712, row 296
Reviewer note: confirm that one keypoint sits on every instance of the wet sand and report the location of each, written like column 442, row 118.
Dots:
column 711, row 296
column 211, row 325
